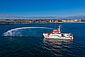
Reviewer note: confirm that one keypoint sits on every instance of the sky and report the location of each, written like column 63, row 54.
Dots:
column 42, row 7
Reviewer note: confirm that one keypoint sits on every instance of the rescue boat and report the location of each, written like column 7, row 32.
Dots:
column 56, row 34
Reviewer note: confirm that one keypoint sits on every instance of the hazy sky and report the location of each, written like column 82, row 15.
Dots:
column 42, row 7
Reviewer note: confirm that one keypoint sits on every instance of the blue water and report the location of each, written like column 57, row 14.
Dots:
column 29, row 42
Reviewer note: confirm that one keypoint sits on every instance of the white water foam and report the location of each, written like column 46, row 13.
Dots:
column 12, row 32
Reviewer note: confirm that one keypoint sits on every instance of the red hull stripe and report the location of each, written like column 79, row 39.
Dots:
column 58, row 33
column 55, row 33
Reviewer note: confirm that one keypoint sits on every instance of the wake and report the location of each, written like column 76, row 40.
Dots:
column 15, row 31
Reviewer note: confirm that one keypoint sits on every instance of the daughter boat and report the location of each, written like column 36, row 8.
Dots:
column 56, row 34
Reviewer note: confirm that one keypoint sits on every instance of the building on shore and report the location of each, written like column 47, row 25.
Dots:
column 40, row 21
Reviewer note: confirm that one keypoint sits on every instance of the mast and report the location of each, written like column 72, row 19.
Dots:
column 59, row 29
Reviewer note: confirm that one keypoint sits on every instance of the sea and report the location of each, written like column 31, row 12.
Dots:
column 26, row 40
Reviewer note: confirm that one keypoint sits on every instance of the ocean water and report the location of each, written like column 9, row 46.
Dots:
column 27, row 41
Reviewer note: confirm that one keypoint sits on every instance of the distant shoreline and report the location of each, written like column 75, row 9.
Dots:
column 40, row 21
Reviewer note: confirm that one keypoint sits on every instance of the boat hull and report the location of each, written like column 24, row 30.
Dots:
column 56, row 37
column 59, row 38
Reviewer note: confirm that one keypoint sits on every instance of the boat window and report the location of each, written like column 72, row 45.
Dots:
column 62, row 34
